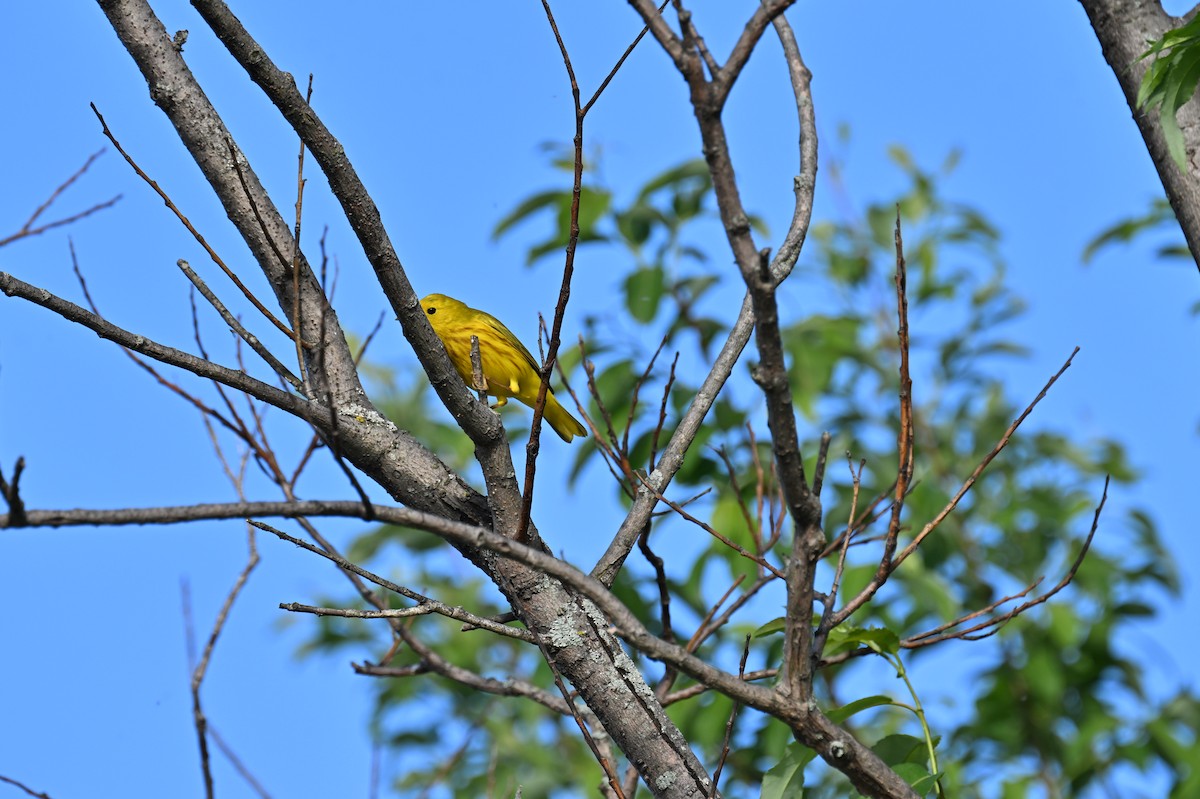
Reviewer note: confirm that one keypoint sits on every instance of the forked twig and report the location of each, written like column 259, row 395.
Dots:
column 237, row 327
column 993, row 625
column 564, row 293
column 970, row 481
column 28, row 228
column 249, row 295
column 738, row 548
column 729, row 724
column 11, row 492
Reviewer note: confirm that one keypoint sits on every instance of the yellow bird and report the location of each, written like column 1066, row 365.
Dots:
column 508, row 368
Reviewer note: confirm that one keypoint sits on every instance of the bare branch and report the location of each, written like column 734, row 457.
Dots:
column 616, row 67
column 363, row 216
column 751, row 34
column 701, row 688
column 152, row 349
column 201, row 667
column 431, row 661
column 11, row 492
column 729, row 724
column 805, row 184
column 617, row 613
column 993, row 625
column 236, row 326
column 188, row 224
column 657, row 24
column 970, row 481
column 24, row 787
column 904, row 437
column 426, row 606
column 869, row 590
column 609, row 565
column 28, row 229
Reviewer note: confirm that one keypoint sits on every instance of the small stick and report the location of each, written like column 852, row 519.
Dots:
column 729, row 724
column 478, row 382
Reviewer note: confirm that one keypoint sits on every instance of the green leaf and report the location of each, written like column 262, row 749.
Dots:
column 847, row 638
column 838, row 715
column 593, row 205
column 771, row 628
column 644, row 292
column 527, row 208
column 924, row 783
column 1171, row 81
column 785, row 780
column 694, row 170
column 637, row 223
column 1126, row 230
column 900, row 748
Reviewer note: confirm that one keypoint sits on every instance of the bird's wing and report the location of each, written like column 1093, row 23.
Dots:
column 506, row 334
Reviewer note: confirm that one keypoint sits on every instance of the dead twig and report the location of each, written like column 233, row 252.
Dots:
column 27, row 230
column 11, row 491
column 738, row 548
column 25, row 788
column 187, row 224
column 729, row 724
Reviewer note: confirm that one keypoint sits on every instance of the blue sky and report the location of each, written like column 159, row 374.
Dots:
column 443, row 116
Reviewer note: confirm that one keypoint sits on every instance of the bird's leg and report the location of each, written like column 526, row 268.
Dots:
column 500, row 402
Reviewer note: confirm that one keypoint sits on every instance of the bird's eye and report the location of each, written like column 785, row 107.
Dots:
column 431, row 311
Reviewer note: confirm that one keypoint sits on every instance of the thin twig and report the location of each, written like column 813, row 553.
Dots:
column 28, row 229
column 970, row 481
column 612, row 73
column 237, row 763
column 660, row 578
column 187, row 224
column 11, row 491
column 992, row 626
column 819, row 471
column 729, row 724
column 235, row 426
column 425, row 607
column 236, row 326
column 633, row 400
column 914, row 641
column 738, row 548
column 904, row 438
column 662, row 413
column 830, row 599
column 533, row 446
column 296, row 326
column 201, row 669
column 700, row 688
column 24, row 788
column 431, row 661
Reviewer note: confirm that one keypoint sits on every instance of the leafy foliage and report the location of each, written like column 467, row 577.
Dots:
column 1159, row 217
column 1056, row 703
column 1171, row 81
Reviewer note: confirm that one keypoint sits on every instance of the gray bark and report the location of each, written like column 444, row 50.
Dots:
column 580, row 643
column 1124, row 29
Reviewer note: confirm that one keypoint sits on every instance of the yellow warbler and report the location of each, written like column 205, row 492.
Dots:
column 508, row 368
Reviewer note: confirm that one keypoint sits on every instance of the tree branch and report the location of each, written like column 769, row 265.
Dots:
column 362, row 214
column 28, row 228
column 233, row 378
column 174, row 89
column 1125, row 28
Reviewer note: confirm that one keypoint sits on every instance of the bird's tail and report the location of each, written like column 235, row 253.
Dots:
column 566, row 425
